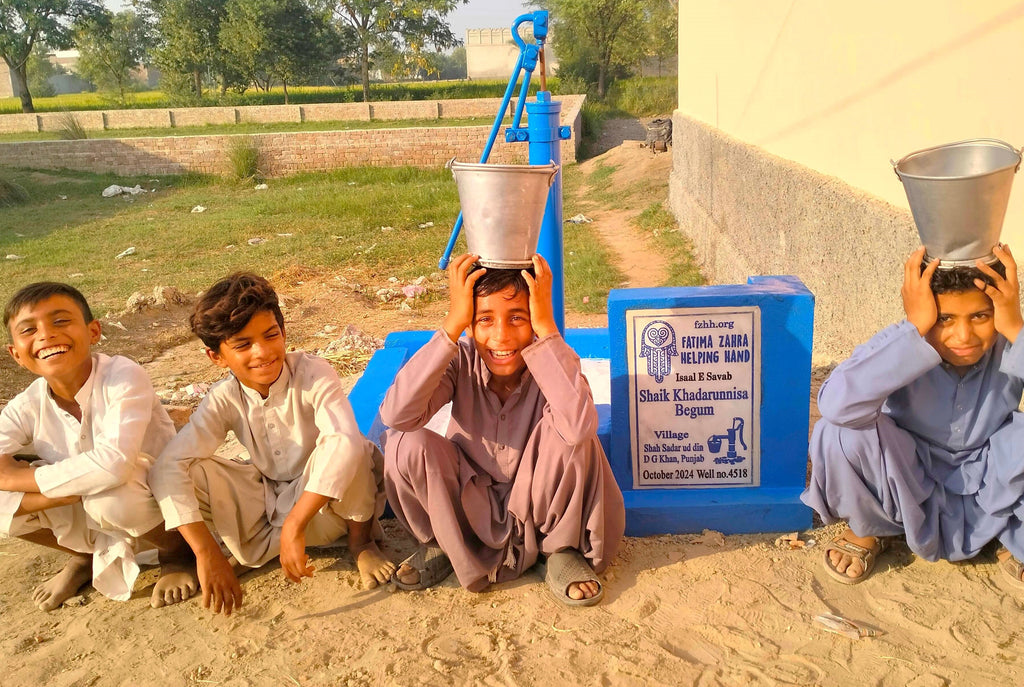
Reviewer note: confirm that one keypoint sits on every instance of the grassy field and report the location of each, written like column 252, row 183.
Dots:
column 363, row 220
column 253, row 128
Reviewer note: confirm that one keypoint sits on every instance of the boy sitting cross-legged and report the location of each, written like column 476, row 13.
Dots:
column 91, row 426
column 920, row 432
column 521, row 472
column 311, row 477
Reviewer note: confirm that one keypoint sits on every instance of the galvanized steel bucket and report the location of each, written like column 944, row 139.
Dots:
column 503, row 209
column 958, row 193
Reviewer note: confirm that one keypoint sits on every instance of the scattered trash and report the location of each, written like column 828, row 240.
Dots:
column 12, row 256
column 256, row 240
column 579, row 219
column 130, row 250
column 351, row 183
column 387, row 228
column 198, row 208
column 386, row 295
column 793, row 541
column 405, row 306
column 842, row 626
column 161, row 297
column 119, row 326
column 284, row 236
column 413, row 290
column 76, row 275
column 586, row 299
column 197, row 390
column 330, row 328
column 116, row 190
column 393, row 280
column 261, row 187
column 62, row 197
column 426, row 225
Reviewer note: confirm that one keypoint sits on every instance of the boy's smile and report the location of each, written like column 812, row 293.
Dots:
column 53, row 340
column 501, row 330
column 965, row 329
column 254, row 355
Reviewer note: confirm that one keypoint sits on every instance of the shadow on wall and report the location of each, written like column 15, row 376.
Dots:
column 751, row 213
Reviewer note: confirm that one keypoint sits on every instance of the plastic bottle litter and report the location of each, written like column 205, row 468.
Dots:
column 842, row 626
column 130, row 250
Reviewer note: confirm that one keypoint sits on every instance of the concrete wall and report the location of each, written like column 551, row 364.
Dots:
column 797, row 108
column 281, row 153
column 492, row 53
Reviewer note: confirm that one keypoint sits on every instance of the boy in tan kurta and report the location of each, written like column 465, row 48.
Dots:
column 521, row 472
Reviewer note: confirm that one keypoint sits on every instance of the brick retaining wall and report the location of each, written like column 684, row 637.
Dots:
column 282, row 153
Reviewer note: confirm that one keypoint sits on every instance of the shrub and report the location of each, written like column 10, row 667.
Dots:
column 70, row 128
column 244, row 155
column 11, row 193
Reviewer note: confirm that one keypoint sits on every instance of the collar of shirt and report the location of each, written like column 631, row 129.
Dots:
column 279, row 386
column 82, row 397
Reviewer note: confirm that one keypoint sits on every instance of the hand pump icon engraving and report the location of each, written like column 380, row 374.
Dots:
column 731, row 435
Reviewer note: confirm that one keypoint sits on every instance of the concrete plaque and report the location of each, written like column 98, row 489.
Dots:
column 694, row 381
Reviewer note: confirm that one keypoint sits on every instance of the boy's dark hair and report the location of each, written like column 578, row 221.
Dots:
column 496, row 280
column 39, row 291
column 227, row 306
column 960, row 279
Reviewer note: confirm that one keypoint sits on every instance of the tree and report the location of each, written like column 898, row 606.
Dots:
column 662, row 30
column 189, row 44
column 112, row 46
column 392, row 28
column 23, row 23
column 40, row 69
column 608, row 33
column 276, row 39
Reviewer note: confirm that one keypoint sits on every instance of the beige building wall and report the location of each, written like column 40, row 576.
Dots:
column 6, row 87
column 839, row 88
column 492, row 53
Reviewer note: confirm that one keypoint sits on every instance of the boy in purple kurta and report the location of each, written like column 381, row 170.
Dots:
column 521, row 472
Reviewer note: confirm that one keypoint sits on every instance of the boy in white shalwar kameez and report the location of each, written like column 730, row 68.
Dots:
column 90, row 425
column 311, row 477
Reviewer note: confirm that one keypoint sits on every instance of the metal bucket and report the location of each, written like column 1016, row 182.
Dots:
column 503, row 209
column 958, row 195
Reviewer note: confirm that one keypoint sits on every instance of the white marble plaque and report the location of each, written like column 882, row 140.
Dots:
column 694, row 388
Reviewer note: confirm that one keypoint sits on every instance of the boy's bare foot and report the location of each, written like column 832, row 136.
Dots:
column 177, row 583
column 65, row 584
column 374, row 567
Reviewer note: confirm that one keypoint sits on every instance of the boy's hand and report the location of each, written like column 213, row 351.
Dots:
column 542, row 315
column 460, row 295
column 218, row 582
column 294, row 561
column 1005, row 293
column 918, row 299
column 17, row 475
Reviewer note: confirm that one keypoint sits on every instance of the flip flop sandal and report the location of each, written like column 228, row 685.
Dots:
column 431, row 562
column 565, row 567
column 1011, row 567
column 867, row 557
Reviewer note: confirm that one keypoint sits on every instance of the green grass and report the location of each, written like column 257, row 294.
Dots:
column 661, row 226
column 644, row 96
column 252, row 128
column 333, row 222
column 425, row 90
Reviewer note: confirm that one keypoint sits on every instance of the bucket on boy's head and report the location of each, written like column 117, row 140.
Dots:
column 503, row 209
column 958, row 193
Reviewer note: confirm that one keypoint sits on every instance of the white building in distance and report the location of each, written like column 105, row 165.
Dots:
column 491, row 54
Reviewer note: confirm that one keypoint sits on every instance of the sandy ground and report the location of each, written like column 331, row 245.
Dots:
column 698, row 609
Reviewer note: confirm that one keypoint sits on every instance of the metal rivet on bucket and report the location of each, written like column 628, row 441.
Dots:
column 502, row 209
column 958, row 194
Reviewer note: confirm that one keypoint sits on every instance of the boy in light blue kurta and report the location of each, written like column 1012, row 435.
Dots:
column 920, row 434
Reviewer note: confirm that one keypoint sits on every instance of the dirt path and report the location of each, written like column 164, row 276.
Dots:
column 620, row 149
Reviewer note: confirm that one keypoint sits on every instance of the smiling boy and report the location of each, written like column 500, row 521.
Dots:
column 91, row 424
column 520, row 473
column 310, row 478
column 920, row 432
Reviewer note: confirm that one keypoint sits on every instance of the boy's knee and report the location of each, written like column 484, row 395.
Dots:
column 411, row 454
column 129, row 508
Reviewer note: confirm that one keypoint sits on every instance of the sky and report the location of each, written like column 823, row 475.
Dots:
column 476, row 14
